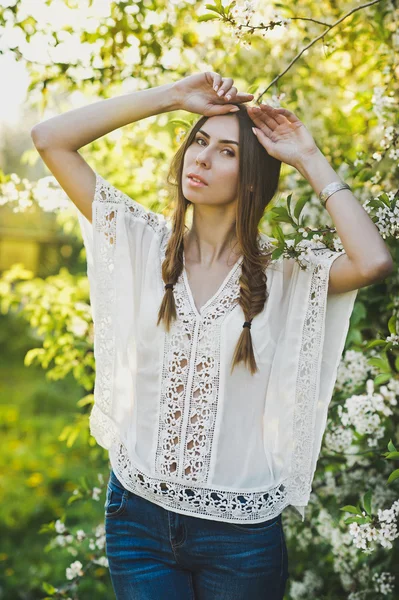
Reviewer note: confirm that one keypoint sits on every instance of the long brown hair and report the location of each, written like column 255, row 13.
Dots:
column 258, row 182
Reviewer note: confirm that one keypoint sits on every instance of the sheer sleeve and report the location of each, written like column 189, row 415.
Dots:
column 315, row 257
column 313, row 330
column 107, row 201
column 123, row 251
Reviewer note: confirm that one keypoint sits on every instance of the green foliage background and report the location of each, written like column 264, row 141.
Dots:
column 345, row 89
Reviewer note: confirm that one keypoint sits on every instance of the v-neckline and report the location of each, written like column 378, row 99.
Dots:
column 215, row 295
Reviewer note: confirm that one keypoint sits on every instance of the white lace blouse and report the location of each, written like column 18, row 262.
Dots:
column 181, row 431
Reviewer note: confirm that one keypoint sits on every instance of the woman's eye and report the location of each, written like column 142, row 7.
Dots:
column 229, row 151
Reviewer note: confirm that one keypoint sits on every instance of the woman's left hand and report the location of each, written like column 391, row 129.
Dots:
column 282, row 134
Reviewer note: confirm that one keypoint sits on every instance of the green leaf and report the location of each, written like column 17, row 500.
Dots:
column 282, row 219
column 351, row 509
column 367, row 502
column 391, row 446
column 72, row 437
column 229, row 7
column 277, row 253
column 299, row 206
column 374, row 343
column 280, row 213
column 84, row 483
column 385, row 199
column 32, row 354
column 279, row 210
column 89, row 399
column 382, row 378
column 376, row 204
column 74, row 498
column 289, row 198
column 48, row 588
column 393, row 476
column 377, row 362
column 212, row 7
column 206, row 18
column 392, row 324
column 360, row 520
column 390, row 455
column 278, row 234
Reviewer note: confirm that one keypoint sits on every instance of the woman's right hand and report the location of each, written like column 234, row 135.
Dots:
column 196, row 94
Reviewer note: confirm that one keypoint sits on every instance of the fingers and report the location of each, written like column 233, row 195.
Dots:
column 280, row 114
column 266, row 114
column 288, row 114
column 263, row 127
column 272, row 117
column 261, row 120
column 217, row 80
column 226, row 85
column 231, row 93
column 241, row 97
column 225, row 89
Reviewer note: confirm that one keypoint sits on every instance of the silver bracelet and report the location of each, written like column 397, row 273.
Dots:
column 330, row 189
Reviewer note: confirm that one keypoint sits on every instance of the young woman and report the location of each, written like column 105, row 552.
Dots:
column 214, row 363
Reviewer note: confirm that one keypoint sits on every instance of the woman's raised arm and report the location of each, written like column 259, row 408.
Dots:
column 81, row 126
column 58, row 139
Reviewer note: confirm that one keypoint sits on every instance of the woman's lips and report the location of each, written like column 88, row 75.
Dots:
column 196, row 183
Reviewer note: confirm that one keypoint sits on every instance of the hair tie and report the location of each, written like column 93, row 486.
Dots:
column 169, row 286
column 247, row 324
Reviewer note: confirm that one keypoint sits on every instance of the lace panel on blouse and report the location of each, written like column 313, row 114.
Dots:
column 191, row 369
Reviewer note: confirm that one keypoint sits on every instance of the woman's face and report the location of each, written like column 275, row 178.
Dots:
column 215, row 161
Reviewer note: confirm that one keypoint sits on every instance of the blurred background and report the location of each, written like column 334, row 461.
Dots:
column 59, row 55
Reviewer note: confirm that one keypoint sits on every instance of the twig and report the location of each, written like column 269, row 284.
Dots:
column 309, row 19
column 314, row 41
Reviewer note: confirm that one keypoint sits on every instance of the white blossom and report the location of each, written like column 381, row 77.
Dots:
column 102, row 561
column 339, row 438
column 96, row 493
column 353, row 370
column 74, row 570
column 381, row 102
column 60, row 540
column 100, row 536
column 388, row 218
column 80, row 535
column 367, row 536
column 394, row 338
column 383, row 583
column 77, row 326
column 59, row 526
column 309, row 587
column 366, row 412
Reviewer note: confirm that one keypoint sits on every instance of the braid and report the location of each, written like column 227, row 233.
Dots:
column 253, row 295
column 172, row 268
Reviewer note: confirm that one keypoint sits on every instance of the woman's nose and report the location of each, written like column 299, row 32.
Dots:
column 201, row 158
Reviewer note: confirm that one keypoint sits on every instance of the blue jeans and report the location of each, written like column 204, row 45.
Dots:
column 157, row 554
